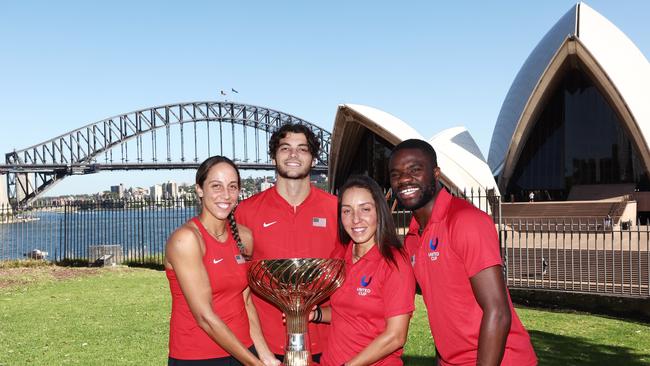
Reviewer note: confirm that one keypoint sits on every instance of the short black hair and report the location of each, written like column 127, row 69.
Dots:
column 417, row 144
column 280, row 133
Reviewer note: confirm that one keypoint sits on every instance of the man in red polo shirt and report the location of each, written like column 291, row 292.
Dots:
column 457, row 263
column 293, row 219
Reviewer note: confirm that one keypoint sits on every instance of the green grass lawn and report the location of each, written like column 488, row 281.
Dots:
column 119, row 316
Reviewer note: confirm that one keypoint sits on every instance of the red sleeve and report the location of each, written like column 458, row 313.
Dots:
column 399, row 289
column 475, row 240
column 338, row 251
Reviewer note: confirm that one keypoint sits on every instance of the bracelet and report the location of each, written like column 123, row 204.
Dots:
column 318, row 315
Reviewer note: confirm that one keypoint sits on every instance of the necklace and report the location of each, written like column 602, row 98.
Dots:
column 214, row 234
column 218, row 235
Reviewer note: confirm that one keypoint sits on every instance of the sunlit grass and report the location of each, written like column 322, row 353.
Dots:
column 119, row 316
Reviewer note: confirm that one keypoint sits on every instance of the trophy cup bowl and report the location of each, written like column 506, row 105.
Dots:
column 294, row 286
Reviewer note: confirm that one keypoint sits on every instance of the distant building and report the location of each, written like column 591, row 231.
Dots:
column 265, row 185
column 137, row 193
column 170, row 190
column 575, row 125
column 577, row 116
column 364, row 136
column 119, row 190
column 156, row 192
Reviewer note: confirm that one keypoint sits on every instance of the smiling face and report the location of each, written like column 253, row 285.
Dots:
column 359, row 215
column 292, row 157
column 413, row 178
column 220, row 190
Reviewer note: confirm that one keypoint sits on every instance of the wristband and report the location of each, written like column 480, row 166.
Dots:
column 318, row 315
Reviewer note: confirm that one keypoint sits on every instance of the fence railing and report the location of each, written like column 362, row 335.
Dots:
column 132, row 231
column 579, row 255
column 585, row 255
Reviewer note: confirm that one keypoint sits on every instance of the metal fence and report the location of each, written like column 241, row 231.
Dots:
column 131, row 231
column 584, row 255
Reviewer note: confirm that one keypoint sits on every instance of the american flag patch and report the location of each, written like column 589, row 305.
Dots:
column 319, row 222
column 240, row 259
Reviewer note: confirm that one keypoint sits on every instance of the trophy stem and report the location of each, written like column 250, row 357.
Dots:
column 298, row 344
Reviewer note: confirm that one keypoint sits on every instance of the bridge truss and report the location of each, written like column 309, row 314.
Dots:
column 176, row 136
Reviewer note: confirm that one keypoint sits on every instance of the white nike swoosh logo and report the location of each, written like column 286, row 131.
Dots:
column 215, row 261
column 268, row 224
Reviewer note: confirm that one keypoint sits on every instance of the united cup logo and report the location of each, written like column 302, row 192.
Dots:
column 363, row 290
column 433, row 255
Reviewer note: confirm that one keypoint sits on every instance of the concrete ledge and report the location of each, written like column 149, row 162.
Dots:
column 618, row 306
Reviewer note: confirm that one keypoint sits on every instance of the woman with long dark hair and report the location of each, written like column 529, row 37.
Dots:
column 213, row 320
column 369, row 314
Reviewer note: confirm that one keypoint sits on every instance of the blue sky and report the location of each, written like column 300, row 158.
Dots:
column 433, row 64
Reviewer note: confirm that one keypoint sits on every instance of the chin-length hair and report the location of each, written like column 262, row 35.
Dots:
column 386, row 235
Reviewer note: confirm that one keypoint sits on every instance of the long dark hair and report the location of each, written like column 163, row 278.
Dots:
column 202, row 175
column 386, row 235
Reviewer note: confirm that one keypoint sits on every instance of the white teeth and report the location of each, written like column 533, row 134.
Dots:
column 408, row 191
column 358, row 229
column 223, row 205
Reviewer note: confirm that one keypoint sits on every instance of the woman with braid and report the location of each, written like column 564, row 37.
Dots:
column 213, row 320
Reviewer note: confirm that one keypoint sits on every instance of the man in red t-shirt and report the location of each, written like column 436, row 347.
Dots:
column 293, row 219
column 455, row 252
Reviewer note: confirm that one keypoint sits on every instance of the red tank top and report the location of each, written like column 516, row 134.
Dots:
column 227, row 272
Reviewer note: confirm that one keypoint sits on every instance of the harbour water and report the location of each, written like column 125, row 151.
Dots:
column 69, row 232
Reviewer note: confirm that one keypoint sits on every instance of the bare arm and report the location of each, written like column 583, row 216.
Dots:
column 490, row 292
column 256, row 332
column 390, row 340
column 184, row 255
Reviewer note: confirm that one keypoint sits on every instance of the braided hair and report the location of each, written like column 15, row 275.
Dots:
column 235, row 234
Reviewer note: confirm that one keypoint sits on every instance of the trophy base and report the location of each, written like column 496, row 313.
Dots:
column 297, row 358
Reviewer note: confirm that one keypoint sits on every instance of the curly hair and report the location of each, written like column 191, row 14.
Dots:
column 280, row 133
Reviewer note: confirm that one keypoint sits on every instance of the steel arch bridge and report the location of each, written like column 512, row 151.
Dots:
column 175, row 136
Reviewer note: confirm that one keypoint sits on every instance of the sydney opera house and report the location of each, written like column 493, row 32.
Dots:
column 574, row 126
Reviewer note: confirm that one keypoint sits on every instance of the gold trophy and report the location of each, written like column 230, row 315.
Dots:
column 294, row 286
